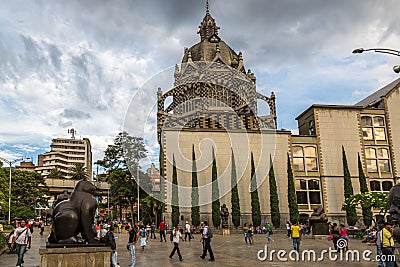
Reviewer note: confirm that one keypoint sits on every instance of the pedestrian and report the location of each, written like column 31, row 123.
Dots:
column 269, row 233
column 143, row 237
column 41, row 224
column 250, row 233
column 110, row 242
column 296, row 236
column 245, row 232
column 387, row 245
column 288, row 229
column 176, row 235
column 152, row 230
column 379, row 247
column 132, row 244
column 119, row 227
column 344, row 235
column 207, row 236
column 335, row 233
column 187, row 231
column 161, row 228
column 23, row 238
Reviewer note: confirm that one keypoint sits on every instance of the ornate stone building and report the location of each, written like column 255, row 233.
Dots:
column 212, row 111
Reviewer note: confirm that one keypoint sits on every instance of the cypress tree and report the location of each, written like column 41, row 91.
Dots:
column 351, row 213
column 216, row 215
column 255, row 202
column 273, row 197
column 234, row 194
column 292, row 200
column 195, row 215
column 366, row 211
column 175, row 198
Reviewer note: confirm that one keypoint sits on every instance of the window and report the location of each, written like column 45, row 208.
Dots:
column 305, row 158
column 377, row 159
column 373, row 128
column 308, row 192
column 380, row 186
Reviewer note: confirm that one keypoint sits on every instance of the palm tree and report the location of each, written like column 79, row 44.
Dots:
column 55, row 173
column 78, row 172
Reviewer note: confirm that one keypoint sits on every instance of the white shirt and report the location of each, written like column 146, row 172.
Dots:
column 176, row 236
column 187, row 228
column 205, row 232
column 23, row 234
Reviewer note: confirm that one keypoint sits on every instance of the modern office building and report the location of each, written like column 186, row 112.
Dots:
column 212, row 110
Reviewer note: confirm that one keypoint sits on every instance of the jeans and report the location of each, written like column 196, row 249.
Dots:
column 188, row 235
column 207, row 247
column 176, row 248
column 114, row 259
column 133, row 253
column 20, row 251
column 269, row 239
column 162, row 234
column 296, row 244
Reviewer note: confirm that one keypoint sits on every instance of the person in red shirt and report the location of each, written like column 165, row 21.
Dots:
column 161, row 227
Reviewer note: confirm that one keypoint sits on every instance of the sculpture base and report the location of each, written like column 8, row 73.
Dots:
column 226, row 232
column 320, row 228
column 75, row 256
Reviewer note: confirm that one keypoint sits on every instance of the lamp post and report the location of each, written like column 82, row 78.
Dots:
column 381, row 50
column 10, row 162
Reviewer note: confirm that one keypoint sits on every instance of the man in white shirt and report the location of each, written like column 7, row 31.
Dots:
column 206, row 238
column 23, row 240
column 187, row 231
column 176, row 236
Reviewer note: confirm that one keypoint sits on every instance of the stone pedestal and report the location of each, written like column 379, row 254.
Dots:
column 75, row 256
column 226, row 232
column 320, row 228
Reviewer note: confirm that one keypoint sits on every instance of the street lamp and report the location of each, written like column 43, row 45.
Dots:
column 381, row 50
column 10, row 162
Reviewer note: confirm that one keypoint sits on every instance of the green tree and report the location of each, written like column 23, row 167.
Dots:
column 255, row 202
column 195, row 216
column 351, row 213
column 28, row 191
column 78, row 172
column 273, row 197
column 376, row 200
column 234, row 194
column 175, row 198
column 292, row 200
column 366, row 211
column 216, row 206
column 56, row 173
column 153, row 208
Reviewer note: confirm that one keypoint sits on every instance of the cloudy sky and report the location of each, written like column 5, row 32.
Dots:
column 78, row 64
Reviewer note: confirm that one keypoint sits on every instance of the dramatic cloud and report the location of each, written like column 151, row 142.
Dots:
column 80, row 63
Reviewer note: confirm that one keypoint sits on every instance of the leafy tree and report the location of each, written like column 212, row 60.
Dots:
column 56, row 173
column 153, row 208
column 216, row 206
column 292, row 200
column 234, row 195
column 195, row 216
column 175, row 198
column 376, row 200
column 366, row 211
column 78, row 172
column 351, row 213
column 255, row 202
column 273, row 197
column 28, row 191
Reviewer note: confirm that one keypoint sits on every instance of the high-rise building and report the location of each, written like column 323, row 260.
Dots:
column 64, row 154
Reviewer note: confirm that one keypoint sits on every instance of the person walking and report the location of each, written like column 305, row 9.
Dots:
column 344, row 235
column 143, row 237
column 23, row 241
column 379, row 247
column 387, row 245
column 206, row 238
column 296, row 236
column 187, row 231
column 132, row 244
column 335, row 233
column 110, row 242
column 152, row 230
column 176, row 235
column 161, row 227
column 41, row 225
column 288, row 229
column 245, row 232
column 269, row 233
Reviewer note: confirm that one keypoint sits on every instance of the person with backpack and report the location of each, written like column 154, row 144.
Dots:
column 206, row 238
column 176, row 235
column 132, row 244
column 143, row 237
column 22, row 241
column 110, row 242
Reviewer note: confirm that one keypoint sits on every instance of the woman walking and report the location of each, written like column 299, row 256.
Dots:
column 143, row 237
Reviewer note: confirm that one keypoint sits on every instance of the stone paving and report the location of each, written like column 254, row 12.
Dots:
column 228, row 250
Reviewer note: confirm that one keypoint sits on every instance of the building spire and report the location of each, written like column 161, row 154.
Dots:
column 207, row 6
column 207, row 27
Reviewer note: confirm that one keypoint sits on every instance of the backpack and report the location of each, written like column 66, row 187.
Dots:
column 143, row 233
column 209, row 233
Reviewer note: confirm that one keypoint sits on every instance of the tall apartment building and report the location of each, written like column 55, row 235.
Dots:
column 64, row 154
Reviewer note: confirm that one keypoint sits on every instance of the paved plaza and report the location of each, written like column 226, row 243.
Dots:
column 228, row 250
